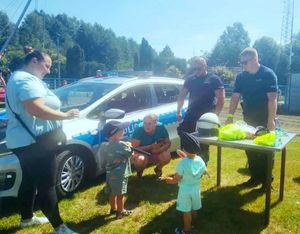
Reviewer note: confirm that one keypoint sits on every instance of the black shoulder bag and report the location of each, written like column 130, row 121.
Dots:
column 50, row 141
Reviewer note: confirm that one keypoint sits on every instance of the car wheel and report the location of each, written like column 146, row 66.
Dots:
column 70, row 172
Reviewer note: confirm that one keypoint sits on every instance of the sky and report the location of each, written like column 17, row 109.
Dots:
column 189, row 27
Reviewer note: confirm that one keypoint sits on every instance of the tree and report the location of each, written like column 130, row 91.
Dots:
column 75, row 62
column 282, row 70
column 63, row 28
column 229, row 46
column 5, row 27
column 146, row 56
column 91, row 67
column 181, row 64
column 33, row 32
column 163, row 61
column 296, row 54
column 101, row 48
column 173, row 71
column 166, row 54
column 226, row 74
column 136, row 62
column 268, row 52
column 125, row 60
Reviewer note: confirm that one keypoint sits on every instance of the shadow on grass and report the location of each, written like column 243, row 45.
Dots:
column 9, row 205
column 149, row 188
column 297, row 180
column 244, row 171
column 9, row 231
column 88, row 226
column 222, row 212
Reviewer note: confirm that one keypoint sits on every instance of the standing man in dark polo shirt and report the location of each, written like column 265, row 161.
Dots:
column 257, row 85
column 206, row 94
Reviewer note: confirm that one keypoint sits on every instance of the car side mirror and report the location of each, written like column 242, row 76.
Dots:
column 114, row 114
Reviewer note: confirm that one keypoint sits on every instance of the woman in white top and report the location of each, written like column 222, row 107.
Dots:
column 38, row 107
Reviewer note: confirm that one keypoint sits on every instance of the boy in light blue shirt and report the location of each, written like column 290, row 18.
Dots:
column 188, row 173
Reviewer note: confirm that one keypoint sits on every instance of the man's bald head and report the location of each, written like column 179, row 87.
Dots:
column 199, row 66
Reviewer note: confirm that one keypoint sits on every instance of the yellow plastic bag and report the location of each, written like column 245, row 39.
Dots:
column 268, row 139
column 231, row 132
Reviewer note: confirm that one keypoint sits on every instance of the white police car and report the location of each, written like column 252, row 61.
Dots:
column 98, row 99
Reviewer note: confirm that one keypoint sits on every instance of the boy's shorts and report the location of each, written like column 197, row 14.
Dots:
column 188, row 199
column 117, row 186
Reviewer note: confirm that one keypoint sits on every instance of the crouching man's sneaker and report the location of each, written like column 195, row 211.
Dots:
column 63, row 229
column 181, row 231
column 33, row 221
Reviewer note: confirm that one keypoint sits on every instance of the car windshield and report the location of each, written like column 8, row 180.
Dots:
column 80, row 95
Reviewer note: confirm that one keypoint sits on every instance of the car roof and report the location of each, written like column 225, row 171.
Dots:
column 122, row 80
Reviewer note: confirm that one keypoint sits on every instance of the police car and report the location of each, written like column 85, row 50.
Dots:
column 99, row 99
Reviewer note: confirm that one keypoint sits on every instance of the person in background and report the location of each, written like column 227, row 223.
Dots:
column 206, row 94
column 38, row 107
column 99, row 74
column 65, row 82
column 2, row 80
column 189, row 170
column 257, row 85
column 4, row 75
column 116, row 156
column 153, row 138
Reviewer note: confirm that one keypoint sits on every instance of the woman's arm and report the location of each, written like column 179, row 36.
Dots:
column 37, row 107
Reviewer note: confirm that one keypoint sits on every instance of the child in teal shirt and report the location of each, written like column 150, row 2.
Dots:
column 188, row 173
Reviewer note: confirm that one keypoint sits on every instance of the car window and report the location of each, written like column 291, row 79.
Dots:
column 166, row 93
column 80, row 95
column 130, row 100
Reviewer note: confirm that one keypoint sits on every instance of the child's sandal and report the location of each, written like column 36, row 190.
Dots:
column 123, row 214
column 112, row 212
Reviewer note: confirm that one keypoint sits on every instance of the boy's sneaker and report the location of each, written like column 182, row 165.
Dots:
column 63, row 229
column 33, row 221
column 181, row 231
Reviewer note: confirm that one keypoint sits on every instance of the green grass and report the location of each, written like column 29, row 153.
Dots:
column 228, row 209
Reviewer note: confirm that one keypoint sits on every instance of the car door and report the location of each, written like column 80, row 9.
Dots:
column 136, row 101
column 165, row 106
